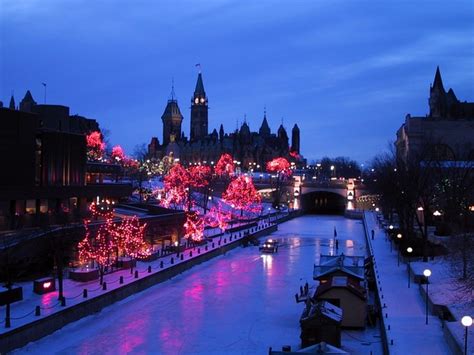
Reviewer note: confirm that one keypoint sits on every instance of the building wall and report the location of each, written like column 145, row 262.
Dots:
column 417, row 132
column 354, row 308
column 43, row 179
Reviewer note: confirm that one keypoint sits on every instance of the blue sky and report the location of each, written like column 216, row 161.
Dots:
column 346, row 71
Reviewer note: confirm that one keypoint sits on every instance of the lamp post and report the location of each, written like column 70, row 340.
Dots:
column 409, row 251
column 427, row 274
column 390, row 227
column 466, row 322
column 399, row 236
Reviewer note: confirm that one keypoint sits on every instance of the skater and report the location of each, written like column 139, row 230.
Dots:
column 373, row 234
column 335, row 232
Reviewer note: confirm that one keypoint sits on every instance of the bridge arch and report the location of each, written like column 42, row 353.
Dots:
column 323, row 202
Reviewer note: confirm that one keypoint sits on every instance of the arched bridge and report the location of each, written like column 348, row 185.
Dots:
column 313, row 196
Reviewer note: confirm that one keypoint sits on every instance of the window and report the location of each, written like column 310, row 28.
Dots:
column 44, row 206
column 30, row 206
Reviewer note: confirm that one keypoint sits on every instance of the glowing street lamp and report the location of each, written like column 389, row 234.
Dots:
column 466, row 321
column 409, row 251
column 427, row 274
column 390, row 227
column 399, row 237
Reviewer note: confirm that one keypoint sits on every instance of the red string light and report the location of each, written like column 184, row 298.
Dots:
column 242, row 194
column 225, row 165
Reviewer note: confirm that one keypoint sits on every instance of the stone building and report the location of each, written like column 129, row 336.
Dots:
column 250, row 149
column 448, row 128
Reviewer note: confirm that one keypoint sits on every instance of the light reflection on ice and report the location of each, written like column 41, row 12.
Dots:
column 240, row 302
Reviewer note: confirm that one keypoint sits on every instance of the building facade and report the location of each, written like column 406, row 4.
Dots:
column 44, row 178
column 249, row 149
column 448, row 129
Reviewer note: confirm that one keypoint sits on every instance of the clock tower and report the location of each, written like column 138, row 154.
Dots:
column 199, row 111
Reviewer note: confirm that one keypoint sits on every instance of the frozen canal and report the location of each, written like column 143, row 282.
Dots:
column 238, row 303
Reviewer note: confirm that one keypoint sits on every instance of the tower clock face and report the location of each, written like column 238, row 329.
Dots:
column 196, row 100
column 202, row 100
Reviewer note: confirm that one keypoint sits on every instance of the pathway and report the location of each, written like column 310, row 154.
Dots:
column 405, row 308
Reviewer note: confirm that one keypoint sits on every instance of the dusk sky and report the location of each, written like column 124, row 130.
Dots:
column 347, row 72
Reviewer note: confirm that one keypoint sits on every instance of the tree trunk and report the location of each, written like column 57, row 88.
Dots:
column 464, row 256
column 425, row 237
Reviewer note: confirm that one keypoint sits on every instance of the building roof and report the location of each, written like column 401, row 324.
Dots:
column 321, row 310
column 438, row 82
column 343, row 282
column 264, row 128
column 172, row 109
column 28, row 97
column 199, row 90
column 245, row 129
column 328, row 264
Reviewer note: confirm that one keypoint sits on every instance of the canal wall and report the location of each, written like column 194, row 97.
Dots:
column 44, row 326
column 378, row 300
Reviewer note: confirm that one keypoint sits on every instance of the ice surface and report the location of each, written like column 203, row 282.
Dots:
column 239, row 303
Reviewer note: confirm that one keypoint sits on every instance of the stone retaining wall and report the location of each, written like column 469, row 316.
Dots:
column 379, row 302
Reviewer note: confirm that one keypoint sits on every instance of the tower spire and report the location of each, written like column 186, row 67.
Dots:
column 199, row 90
column 438, row 82
column 264, row 130
column 172, row 90
column 12, row 102
column 199, row 111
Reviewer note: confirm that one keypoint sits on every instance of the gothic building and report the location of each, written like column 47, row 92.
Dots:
column 250, row 149
column 448, row 128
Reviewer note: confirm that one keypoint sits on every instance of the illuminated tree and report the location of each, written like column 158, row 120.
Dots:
column 201, row 180
column 177, row 184
column 194, row 226
column 118, row 155
column 130, row 238
column 98, row 248
column 225, row 165
column 294, row 154
column 199, row 175
column 242, row 195
column 95, row 146
column 282, row 168
column 166, row 164
column 218, row 217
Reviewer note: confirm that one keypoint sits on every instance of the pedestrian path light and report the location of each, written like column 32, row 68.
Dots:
column 409, row 251
column 466, row 322
column 427, row 274
column 399, row 237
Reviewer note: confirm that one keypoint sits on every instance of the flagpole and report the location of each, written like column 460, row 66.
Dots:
column 44, row 84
